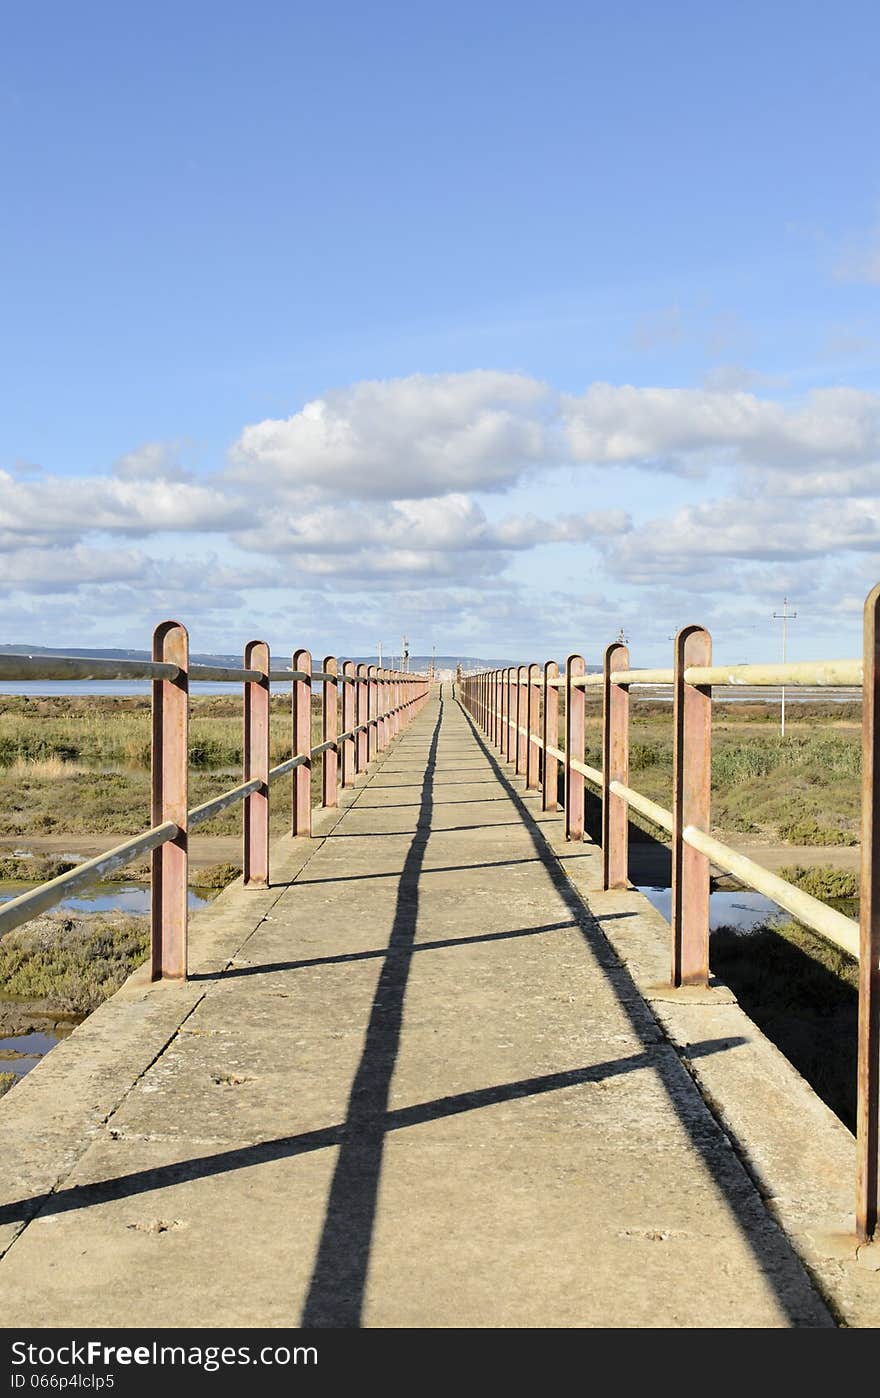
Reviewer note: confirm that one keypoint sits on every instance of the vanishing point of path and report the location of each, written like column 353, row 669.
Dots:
column 409, row 1085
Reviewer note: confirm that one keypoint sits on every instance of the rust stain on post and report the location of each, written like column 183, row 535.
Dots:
column 550, row 737
column 329, row 732
column 395, row 703
column 522, row 708
column 170, row 771
column 361, row 709
column 505, row 712
column 868, row 1098
column 256, row 767
column 510, row 750
column 575, row 710
column 533, row 708
column 691, row 778
column 348, row 722
column 615, row 767
column 381, row 740
column 301, row 804
column 373, row 709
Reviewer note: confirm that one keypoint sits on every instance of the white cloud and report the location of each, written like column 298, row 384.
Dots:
column 71, row 506
column 733, row 529
column 678, row 428
column 426, row 435
column 61, row 569
column 374, row 491
column 152, row 461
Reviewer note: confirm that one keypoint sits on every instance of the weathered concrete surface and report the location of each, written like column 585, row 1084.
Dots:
column 410, row 1084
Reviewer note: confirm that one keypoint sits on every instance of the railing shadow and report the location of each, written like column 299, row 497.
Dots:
column 771, row 1249
column 85, row 1196
column 336, row 1291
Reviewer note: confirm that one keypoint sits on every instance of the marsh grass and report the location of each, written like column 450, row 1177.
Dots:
column 81, row 765
column 101, row 732
column 803, row 788
column 824, row 881
column 88, row 772
column 71, row 963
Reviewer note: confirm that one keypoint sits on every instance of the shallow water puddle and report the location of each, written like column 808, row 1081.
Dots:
column 106, row 898
column 24, row 1051
column 743, row 910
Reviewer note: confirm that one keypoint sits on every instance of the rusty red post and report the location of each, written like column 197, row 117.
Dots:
column 868, row 1089
column 575, row 715
column 348, row 722
column 550, row 735
column 361, row 711
column 301, row 804
column 691, row 793
column 170, row 771
column 373, row 711
column 383, row 709
column 505, row 714
column 615, row 768
column 533, row 708
column 496, row 704
column 256, row 767
column 329, row 733
column 522, row 706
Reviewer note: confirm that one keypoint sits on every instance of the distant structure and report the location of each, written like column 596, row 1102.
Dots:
column 785, row 616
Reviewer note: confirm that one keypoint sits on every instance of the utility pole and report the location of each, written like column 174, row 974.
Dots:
column 785, row 616
column 380, row 655
column 404, row 655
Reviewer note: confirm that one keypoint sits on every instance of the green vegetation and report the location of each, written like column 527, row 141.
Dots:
column 810, row 832
column 803, row 993
column 216, row 875
column 824, row 881
column 7, row 1080
column 81, row 766
column 803, row 788
column 72, row 963
column 104, row 732
column 17, row 868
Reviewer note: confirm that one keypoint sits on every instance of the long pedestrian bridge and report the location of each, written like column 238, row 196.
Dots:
column 425, row 1063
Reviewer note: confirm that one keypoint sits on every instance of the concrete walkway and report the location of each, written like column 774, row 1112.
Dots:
column 410, row 1085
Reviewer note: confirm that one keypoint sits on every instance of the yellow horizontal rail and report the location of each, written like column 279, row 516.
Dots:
column 49, row 894
column 834, row 926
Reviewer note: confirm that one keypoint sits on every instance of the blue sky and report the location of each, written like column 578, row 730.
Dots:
column 583, row 298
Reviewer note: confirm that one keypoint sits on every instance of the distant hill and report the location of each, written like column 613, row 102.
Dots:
column 417, row 663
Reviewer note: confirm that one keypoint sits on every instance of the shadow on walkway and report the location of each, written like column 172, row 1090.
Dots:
column 770, row 1247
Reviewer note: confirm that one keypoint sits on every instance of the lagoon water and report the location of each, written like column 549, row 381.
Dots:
column 40, row 689
column 105, row 898
column 24, row 1051
column 743, row 911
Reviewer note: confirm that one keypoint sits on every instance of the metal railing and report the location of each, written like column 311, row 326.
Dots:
column 518, row 708
column 376, row 705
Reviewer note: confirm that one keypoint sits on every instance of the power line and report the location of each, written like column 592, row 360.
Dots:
column 785, row 616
